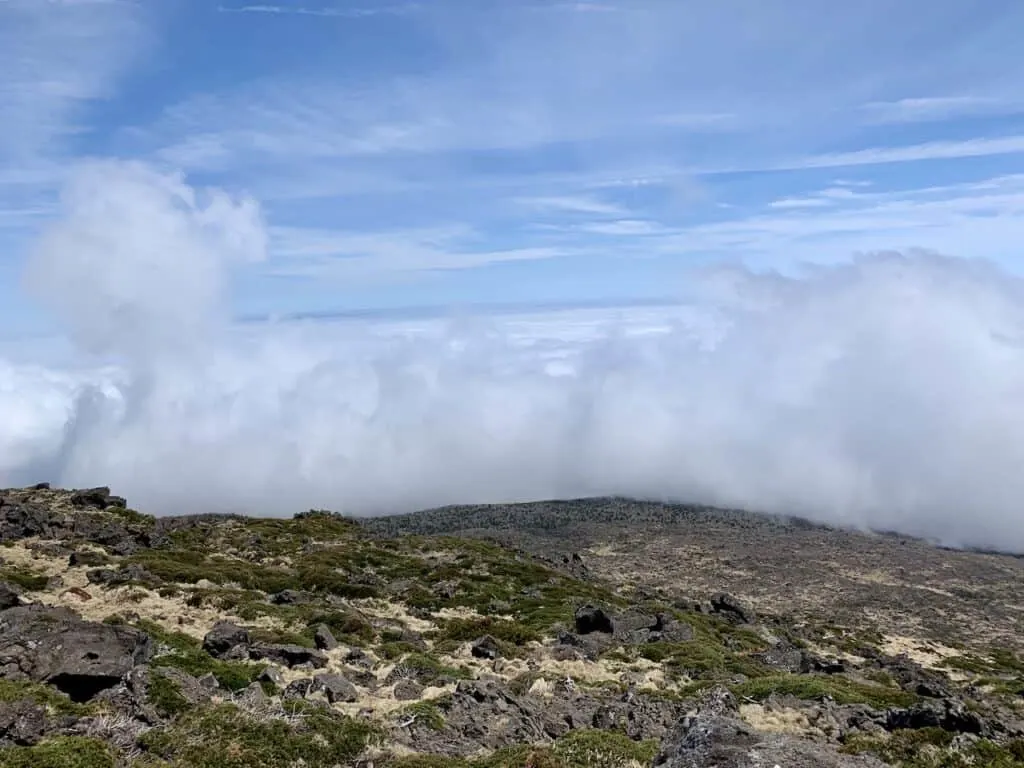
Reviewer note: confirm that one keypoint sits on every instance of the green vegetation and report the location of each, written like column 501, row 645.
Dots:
column 718, row 651
column 463, row 630
column 426, row 713
column 51, row 698
column 813, row 687
column 224, row 737
column 577, row 749
column 934, row 748
column 427, row 670
column 165, row 695
column 185, row 653
column 24, row 577
column 60, row 752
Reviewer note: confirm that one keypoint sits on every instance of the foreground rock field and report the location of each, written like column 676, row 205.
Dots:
column 589, row 633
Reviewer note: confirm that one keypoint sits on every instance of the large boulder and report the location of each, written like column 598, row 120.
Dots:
column 227, row 641
column 56, row 646
column 589, row 619
column 731, row 609
column 96, row 498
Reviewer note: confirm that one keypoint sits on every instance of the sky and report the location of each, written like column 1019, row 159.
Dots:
column 760, row 254
column 474, row 151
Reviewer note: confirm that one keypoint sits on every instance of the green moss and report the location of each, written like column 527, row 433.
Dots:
column 426, row 713
column 427, row 761
column 24, row 577
column 132, row 517
column 188, row 566
column 968, row 663
column 998, row 662
column 933, row 748
column 812, row 687
column 52, row 699
column 165, row 694
column 93, row 558
column 395, row 650
column 60, row 752
column 602, row 749
column 224, row 737
column 185, row 653
column 463, row 630
column 426, row 669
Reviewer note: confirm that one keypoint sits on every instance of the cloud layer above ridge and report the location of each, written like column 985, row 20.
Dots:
column 886, row 392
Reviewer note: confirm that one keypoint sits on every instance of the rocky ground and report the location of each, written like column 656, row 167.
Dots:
column 592, row 633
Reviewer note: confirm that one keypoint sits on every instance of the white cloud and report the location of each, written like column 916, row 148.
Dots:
column 623, row 227
column 573, row 204
column 880, row 393
column 151, row 251
column 933, row 150
column 349, row 255
column 913, row 110
column 323, row 11
column 55, row 58
column 799, row 202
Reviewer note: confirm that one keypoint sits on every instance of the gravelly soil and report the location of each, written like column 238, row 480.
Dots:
column 780, row 566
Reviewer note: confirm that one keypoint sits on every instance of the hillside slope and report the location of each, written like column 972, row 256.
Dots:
column 586, row 633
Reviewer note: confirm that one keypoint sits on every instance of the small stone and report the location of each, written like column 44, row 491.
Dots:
column 486, row 648
column 292, row 656
column 271, row 675
column 252, row 696
column 336, row 688
column 209, row 681
column 324, row 639
column 408, row 690
column 298, row 689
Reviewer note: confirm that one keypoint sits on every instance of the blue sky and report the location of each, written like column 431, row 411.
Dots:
column 464, row 151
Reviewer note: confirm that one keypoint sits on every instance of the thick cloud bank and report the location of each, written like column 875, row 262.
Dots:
column 888, row 392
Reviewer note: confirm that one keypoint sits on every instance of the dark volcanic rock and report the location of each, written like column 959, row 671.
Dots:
column 323, row 638
column 96, row 498
column 486, row 648
column 914, row 678
column 716, row 737
column 55, row 645
column 289, row 597
column 226, row 641
column 8, row 596
column 336, row 688
column 732, row 609
column 298, row 689
column 948, row 715
column 21, row 521
column 589, row 618
column 408, row 690
column 132, row 573
column 22, row 723
column 288, row 655
column 783, row 656
column 87, row 558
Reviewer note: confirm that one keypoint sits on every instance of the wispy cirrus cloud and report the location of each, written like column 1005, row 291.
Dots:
column 938, row 108
column 573, row 204
column 348, row 254
column 324, row 11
